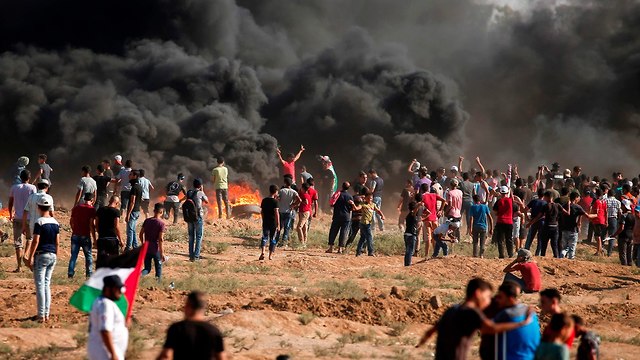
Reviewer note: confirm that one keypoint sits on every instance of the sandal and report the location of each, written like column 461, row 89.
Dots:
column 261, row 257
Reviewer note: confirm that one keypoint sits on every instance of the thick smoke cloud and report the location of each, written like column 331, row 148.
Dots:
column 172, row 83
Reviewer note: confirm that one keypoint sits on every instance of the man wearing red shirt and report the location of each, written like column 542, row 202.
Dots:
column 289, row 166
column 530, row 281
column 503, row 230
column 430, row 223
column 304, row 213
column 599, row 207
column 314, row 201
column 82, row 233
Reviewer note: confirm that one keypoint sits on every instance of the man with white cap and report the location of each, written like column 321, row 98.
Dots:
column 108, row 333
column 503, row 230
column 443, row 234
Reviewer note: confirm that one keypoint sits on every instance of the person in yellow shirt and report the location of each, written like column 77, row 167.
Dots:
column 368, row 209
column 220, row 182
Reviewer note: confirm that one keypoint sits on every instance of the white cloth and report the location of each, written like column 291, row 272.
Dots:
column 32, row 207
column 441, row 229
column 106, row 316
column 145, row 184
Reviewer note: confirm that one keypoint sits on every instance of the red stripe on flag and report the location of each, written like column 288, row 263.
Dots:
column 132, row 281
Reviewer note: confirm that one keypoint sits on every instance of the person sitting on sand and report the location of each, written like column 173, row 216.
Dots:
column 530, row 281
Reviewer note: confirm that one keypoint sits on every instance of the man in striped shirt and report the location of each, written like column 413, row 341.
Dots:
column 613, row 212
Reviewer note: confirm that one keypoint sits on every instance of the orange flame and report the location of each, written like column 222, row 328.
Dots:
column 239, row 194
column 4, row 213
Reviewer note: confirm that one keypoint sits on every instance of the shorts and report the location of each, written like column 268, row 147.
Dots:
column 17, row 233
column 598, row 229
column 144, row 205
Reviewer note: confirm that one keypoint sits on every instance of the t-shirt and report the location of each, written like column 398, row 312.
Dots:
column 106, row 316
column 81, row 217
column 569, row 342
column 305, row 176
column 521, row 343
column 552, row 351
column 342, row 208
column 367, row 213
column 589, row 346
column 152, row 228
column 107, row 216
column 46, row 171
column 467, row 190
column 314, row 194
column 418, row 184
column 194, row 340
column 174, row 189
column 377, row 185
column 136, row 190
column 268, row 206
column 32, row 207
column 407, row 196
column 48, row 229
column 411, row 224
column 289, row 168
column 357, row 187
column 198, row 197
column 286, row 197
column 442, row 229
column 102, row 182
column 356, row 215
column 627, row 220
column 20, row 194
column 108, row 173
column 599, row 207
column 570, row 222
column 551, row 213
column 430, row 202
column 456, row 330
column 145, row 185
column 479, row 214
column 220, row 175
column 87, row 186
column 530, row 275
column 454, row 198
column 536, row 206
column 305, row 205
column 123, row 176
column 504, row 209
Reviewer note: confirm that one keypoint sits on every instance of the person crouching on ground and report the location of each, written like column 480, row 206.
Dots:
column 368, row 209
column 443, row 234
column 530, row 281
column 153, row 232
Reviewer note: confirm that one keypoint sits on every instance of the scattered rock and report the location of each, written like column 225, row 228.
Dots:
column 396, row 292
column 628, row 296
column 226, row 311
column 435, row 302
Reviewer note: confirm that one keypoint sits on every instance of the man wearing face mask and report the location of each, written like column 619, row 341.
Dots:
column 108, row 334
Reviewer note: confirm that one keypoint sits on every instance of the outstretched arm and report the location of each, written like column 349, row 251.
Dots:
column 279, row 153
column 299, row 153
column 480, row 165
column 460, row 160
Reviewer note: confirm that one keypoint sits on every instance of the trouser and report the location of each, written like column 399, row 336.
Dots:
column 339, row 228
column 107, row 247
column 132, row 237
column 80, row 242
column 222, row 198
column 635, row 252
column 440, row 245
column 269, row 235
column 503, row 236
column 466, row 206
column 124, row 201
column 43, row 264
column 170, row 205
column 195, row 238
column 515, row 234
column 303, row 226
column 549, row 234
column 409, row 248
column 590, row 232
column 157, row 264
column 101, row 201
column 513, row 278
column 353, row 231
column 569, row 244
column 376, row 217
column 612, row 228
column 479, row 237
column 366, row 237
column 286, row 221
column 625, row 251
column 534, row 230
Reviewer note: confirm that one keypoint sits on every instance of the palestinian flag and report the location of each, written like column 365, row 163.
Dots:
column 127, row 266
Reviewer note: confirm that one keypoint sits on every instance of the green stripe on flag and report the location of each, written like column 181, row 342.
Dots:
column 84, row 297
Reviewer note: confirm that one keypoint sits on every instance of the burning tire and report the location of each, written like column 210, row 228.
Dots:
column 245, row 211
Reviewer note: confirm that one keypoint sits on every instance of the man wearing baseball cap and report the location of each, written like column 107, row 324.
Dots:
column 108, row 334
column 503, row 230
column 31, row 212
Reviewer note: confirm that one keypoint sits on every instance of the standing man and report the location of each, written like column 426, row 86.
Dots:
column 430, row 222
column 340, row 222
column 109, row 240
column 329, row 182
column 146, row 186
column 304, row 213
column 102, row 186
column 454, row 199
column 504, row 222
column 194, row 337
column 569, row 225
column 196, row 227
column 31, row 212
column 467, row 187
column 478, row 228
column 625, row 233
column 124, row 184
column 550, row 304
column 270, row 222
column 376, row 185
column 86, row 185
column 289, row 165
column 288, row 201
column 117, row 166
column 360, row 184
column 133, row 209
column 551, row 213
column 172, row 202
column 108, row 333
column 304, row 175
column 153, row 232
column 44, row 171
column 314, row 201
column 106, row 165
column 220, row 181
column 534, row 207
column 18, row 197
column 83, row 234
column 613, row 213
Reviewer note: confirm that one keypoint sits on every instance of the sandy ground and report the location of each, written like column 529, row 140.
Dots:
column 307, row 303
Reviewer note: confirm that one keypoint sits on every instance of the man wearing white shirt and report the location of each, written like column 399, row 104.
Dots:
column 108, row 333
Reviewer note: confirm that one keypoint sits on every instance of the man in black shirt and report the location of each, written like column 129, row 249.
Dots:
column 341, row 220
column 193, row 338
column 270, row 222
column 109, row 240
column 550, row 232
column 102, row 182
column 133, row 209
column 625, row 233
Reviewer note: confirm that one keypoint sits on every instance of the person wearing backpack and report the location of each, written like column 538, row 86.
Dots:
column 172, row 202
column 193, row 215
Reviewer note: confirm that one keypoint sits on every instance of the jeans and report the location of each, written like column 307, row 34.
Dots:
column 107, row 247
column 625, row 251
column 132, row 238
column 569, row 243
column 534, row 230
column 353, row 231
column 157, row 264
column 365, row 238
column 170, row 205
column 479, row 237
column 339, row 227
column 409, row 248
column 286, row 222
column 43, row 265
column 222, row 197
column 376, row 217
column 549, row 233
column 77, row 243
column 269, row 235
column 503, row 235
column 440, row 245
column 124, row 201
column 195, row 238
column 611, row 229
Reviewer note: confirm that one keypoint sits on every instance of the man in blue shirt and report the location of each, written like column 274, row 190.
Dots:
column 341, row 221
column 478, row 215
